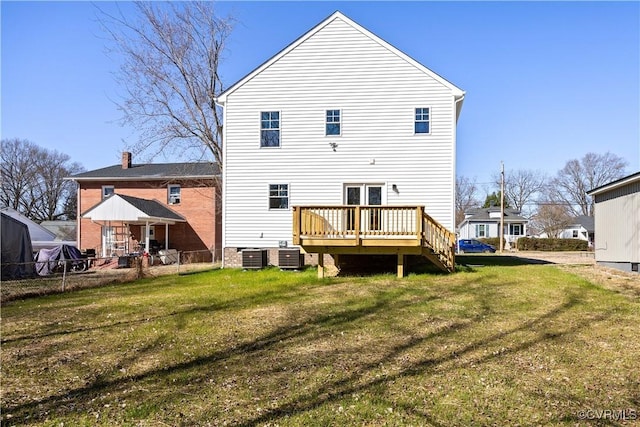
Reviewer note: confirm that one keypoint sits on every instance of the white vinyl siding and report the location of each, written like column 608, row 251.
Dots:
column 379, row 91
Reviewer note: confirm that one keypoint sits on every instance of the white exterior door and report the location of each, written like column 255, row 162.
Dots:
column 364, row 194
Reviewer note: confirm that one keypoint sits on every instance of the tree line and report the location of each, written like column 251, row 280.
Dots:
column 550, row 202
column 33, row 181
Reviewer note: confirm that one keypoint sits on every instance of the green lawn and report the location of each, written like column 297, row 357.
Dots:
column 495, row 345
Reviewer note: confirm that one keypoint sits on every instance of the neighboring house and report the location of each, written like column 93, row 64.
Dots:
column 167, row 205
column 617, row 223
column 338, row 119
column 485, row 223
column 581, row 227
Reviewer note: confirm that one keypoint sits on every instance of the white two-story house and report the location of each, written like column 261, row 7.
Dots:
column 340, row 143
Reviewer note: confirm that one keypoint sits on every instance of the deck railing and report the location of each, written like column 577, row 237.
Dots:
column 356, row 222
column 377, row 225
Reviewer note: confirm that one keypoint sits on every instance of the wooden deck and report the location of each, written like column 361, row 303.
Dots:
column 390, row 230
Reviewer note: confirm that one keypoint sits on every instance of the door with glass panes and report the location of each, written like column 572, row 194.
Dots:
column 364, row 194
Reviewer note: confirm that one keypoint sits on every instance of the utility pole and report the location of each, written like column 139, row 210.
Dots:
column 502, row 207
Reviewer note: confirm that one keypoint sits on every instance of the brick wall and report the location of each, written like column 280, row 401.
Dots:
column 198, row 205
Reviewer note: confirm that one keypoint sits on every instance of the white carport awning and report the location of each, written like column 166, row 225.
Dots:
column 132, row 210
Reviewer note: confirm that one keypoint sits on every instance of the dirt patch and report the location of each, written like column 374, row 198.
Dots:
column 571, row 258
column 584, row 265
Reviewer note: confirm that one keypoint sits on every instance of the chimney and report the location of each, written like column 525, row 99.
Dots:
column 126, row 160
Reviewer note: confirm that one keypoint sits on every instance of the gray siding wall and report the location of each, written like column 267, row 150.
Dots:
column 377, row 92
column 617, row 224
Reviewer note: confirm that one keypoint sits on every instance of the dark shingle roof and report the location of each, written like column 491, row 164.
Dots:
column 151, row 171
column 586, row 222
column 152, row 208
column 482, row 214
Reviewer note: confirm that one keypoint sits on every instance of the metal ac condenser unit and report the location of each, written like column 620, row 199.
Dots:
column 290, row 258
column 254, row 258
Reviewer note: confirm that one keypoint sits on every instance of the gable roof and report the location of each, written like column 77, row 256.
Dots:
column 483, row 215
column 586, row 222
column 132, row 210
column 151, row 171
column 457, row 92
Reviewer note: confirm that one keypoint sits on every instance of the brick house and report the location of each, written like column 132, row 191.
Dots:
column 172, row 205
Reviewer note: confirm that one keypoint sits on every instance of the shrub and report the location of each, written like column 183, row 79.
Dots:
column 531, row 244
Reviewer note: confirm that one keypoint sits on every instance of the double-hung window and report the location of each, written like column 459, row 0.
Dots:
column 422, row 120
column 173, row 191
column 332, row 126
column 515, row 229
column 270, row 129
column 481, row 230
column 278, row 196
column 107, row 190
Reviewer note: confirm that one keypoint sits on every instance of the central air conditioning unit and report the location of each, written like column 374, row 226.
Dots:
column 254, row 258
column 290, row 258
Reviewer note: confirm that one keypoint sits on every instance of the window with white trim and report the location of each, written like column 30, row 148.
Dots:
column 173, row 194
column 515, row 229
column 278, row 196
column 332, row 125
column 421, row 124
column 270, row 129
column 481, row 230
column 107, row 190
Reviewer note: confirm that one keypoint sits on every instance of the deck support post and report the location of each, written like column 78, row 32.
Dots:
column 400, row 265
column 320, row 265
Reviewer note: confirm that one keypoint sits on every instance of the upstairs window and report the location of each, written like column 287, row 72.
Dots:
column 270, row 129
column 107, row 190
column 332, row 126
column 174, row 194
column 422, row 120
column 278, row 196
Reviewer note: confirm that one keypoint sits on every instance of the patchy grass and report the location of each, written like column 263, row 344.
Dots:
column 494, row 345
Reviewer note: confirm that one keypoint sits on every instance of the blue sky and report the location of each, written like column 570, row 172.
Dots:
column 546, row 82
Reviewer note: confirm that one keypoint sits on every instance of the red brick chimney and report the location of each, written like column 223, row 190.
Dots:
column 126, row 160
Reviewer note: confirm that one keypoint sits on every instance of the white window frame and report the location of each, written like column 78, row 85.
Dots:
column 327, row 122
column 279, row 128
column 171, row 198
column 512, row 228
column 108, row 187
column 279, row 196
column 485, row 230
column 416, row 121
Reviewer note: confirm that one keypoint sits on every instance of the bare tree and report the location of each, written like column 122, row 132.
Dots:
column 465, row 196
column 521, row 186
column 33, row 180
column 572, row 182
column 171, row 57
column 551, row 219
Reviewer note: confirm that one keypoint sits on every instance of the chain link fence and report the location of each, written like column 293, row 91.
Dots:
column 68, row 276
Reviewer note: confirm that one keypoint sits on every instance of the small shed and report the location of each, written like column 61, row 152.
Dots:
column 617, row 223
